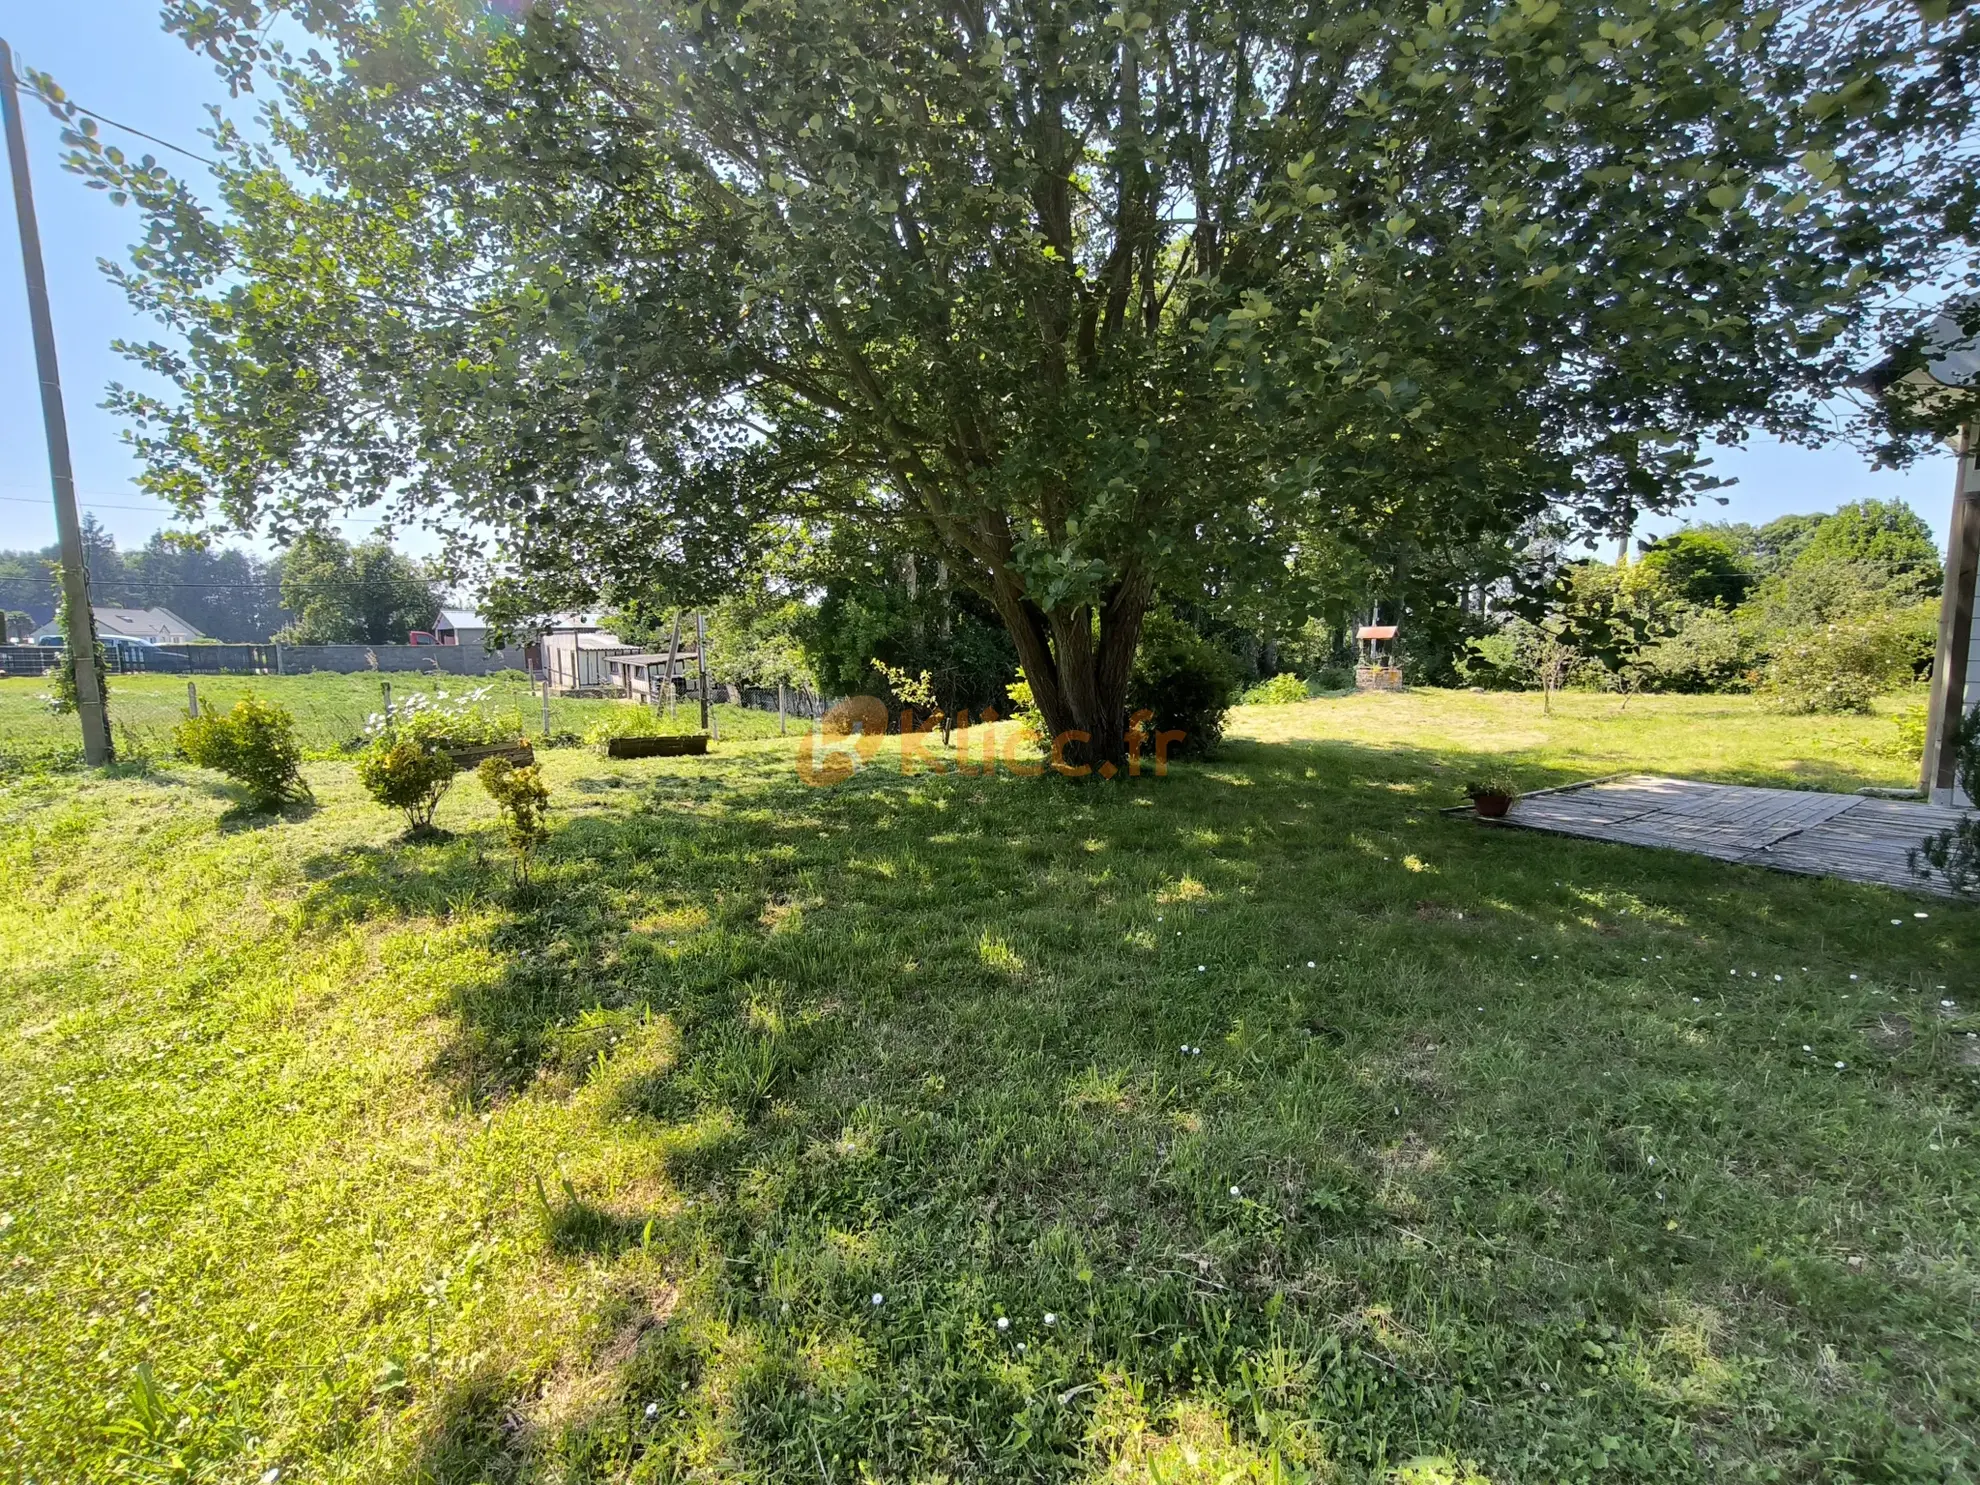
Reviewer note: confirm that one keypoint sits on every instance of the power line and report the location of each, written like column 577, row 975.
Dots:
column 152, row 510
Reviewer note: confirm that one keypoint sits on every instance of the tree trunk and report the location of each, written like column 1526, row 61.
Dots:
column 1079, row 680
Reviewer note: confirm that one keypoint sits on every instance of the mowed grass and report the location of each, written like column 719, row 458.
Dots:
column 1298, row 1132
column 330, row 710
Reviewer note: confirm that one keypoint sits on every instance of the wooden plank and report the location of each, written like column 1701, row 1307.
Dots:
column 682, row 745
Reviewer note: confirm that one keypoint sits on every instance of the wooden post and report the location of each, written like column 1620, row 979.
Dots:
column 780, row 709
column 546, row 706
column 192, row 699
column 673, row 650
column 1949, row 665
column 385, row 691
column 278, row 661
column 701, row 665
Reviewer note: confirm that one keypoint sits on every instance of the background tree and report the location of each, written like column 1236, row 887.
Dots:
column 1701, row 567
column 344, row 594
column 1074, row 294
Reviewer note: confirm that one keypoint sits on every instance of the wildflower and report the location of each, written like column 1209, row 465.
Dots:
column 1309, row 964
column 1806, row 1048
column 1947, row 1004
column 878, row 1300
column 1921, row 915
column 271, row 1475
column 652, row 1410
column 1235, row 1191
column 1852, row 977
column 1897, row 922
column 1020, row 1347
column 1050, row 1318
column 1841, row 1065
column 1003, row 1322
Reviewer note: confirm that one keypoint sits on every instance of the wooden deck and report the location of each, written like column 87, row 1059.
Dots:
column 1830, row 835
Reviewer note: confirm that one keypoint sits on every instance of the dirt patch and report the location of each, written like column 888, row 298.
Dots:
column 1889, row 1034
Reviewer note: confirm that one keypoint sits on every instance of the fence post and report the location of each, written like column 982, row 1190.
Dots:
column 546, row 707
column 780, row 708
column 385, row 690
column 192, row 700
column 278, row 661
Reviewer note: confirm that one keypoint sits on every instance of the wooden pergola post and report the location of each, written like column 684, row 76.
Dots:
column 1952, row 662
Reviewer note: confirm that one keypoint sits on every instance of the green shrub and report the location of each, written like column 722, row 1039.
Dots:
column 1281, row 690
column 1330, row 678
column 521, row 798
column 1024, row 710
column 254, row 745
column 1492, row 786
column 1706, row 651
column 440, row 721
column 1186, row 681
column 406, row 775
column 1839, row 667
column 619, row 720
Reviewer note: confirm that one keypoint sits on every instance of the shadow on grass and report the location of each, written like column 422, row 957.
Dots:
column 1308, row 1115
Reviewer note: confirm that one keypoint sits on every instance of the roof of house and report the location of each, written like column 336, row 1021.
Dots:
column 459, row 618
column 584, row 639
column 658, row 657
column 1376, row 631
column 141, row 623
column 1952, row 355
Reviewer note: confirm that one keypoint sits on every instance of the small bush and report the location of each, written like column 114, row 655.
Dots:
column 254, row 745
column 522, row 798
column 1492, row 786
column 1025, row 712
column 1281, row 690
column 624, row 720
column 1186, row 681
column 1839, row 667
column 1954, row 853
column 1329, row 679
column 408, row 776
column 440, row 721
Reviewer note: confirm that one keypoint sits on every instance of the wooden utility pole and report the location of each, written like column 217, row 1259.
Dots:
column 81, row 638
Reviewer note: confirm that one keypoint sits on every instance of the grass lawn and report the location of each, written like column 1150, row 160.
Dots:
column 330, row 710
column 1257, row 1123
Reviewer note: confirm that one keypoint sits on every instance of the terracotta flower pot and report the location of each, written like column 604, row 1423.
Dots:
column 1491, row 806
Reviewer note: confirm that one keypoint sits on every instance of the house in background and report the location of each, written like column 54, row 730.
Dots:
column 147, row 626
column 460, row 626
column 644, row 676
column 574, row 652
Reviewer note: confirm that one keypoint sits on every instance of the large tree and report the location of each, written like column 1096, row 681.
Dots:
column 1072, row 293
column 344, row 594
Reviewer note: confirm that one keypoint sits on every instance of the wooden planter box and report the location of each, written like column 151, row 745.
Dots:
column 686, row 745
column 465, row 759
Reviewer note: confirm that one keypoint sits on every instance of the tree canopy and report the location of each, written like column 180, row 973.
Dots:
column 345, row 594
column 1075, row 296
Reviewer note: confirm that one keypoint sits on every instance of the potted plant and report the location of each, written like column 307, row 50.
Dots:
column 1492, row 795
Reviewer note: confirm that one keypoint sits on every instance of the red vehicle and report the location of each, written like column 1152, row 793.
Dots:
column 421, row 637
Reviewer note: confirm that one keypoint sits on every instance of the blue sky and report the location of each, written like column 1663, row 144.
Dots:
column 111, row 56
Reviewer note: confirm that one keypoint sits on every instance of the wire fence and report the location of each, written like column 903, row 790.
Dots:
column 331, row 711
